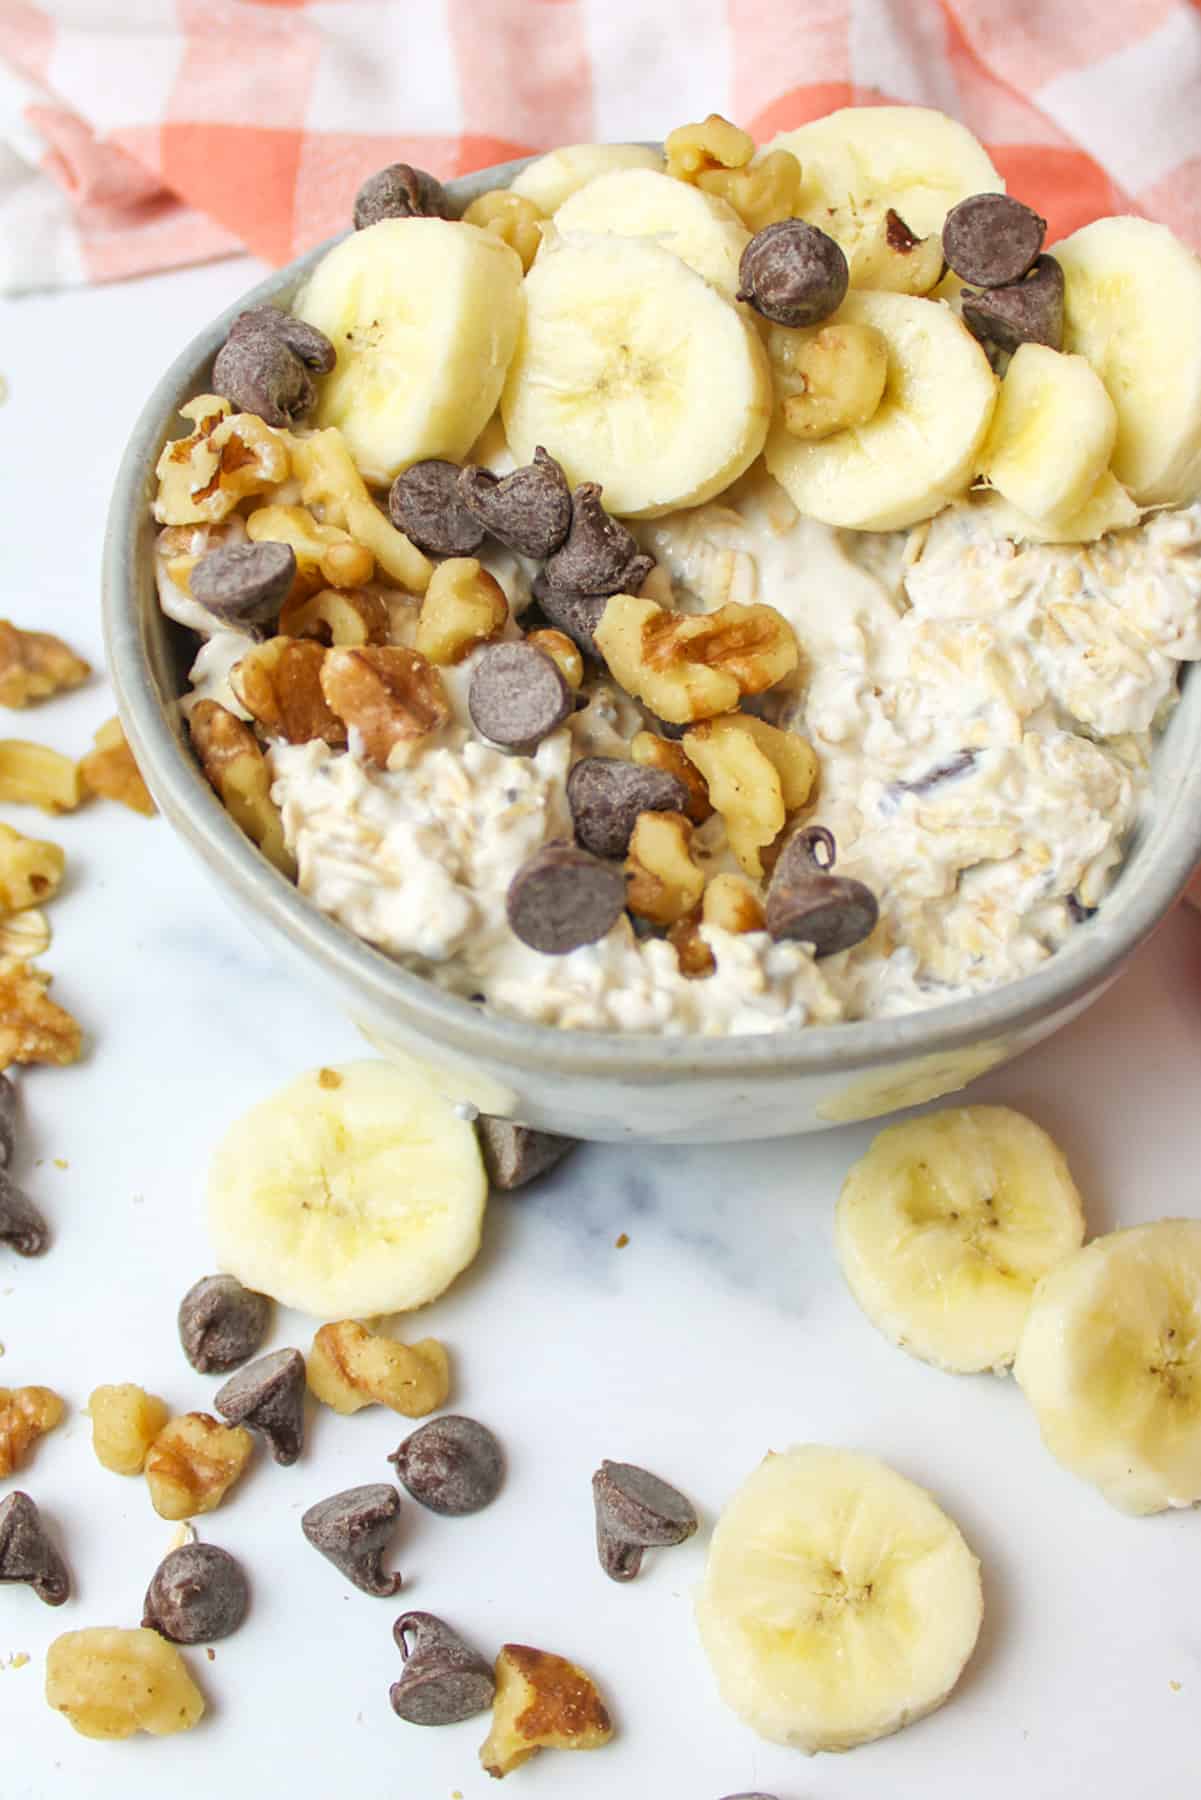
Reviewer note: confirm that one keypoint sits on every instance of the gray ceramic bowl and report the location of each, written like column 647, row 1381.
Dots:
column 588, row 1084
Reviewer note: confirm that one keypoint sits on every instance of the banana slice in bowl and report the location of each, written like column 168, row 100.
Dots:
column 701, row 229
column 551, row 179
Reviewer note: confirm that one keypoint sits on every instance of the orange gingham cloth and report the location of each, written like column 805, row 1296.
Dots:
column 140, row 134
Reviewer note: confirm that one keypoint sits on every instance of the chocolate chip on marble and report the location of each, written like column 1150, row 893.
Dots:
column 793, row 273
column 26, row 1552
column 426, row 504
column 268, row 1396
column 562, row 898
column 598, row 555
column 197, row 1594
column 635, row 1511
column 516, row 1154
column 400, row 192
column 8, row 1121
column 606, row 796
column 22, row 1226
column 261, row 374
column 222, row 1324
column 1028, row 312
column 245, row 584
column 529, row 510
column 451, row 1465
column 443, row 1679
column 992, row 240
column 352, row 1530
column 305, row 341
column 518, row 695
column 807, row 904
column 576, row 614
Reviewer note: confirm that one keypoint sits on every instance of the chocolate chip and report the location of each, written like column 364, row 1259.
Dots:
column 635, row 1511
column 938, row 776
column 222, row 1324
column 443, row 1680
column 352, row 1529
column 305, row 341
column 562, row 898
column 1078, row 912
column 576, row 614
column 897, row 234
column 606, row 796
column 198, row 1593
column 261, row 374
column 518, row 695
column 598, row 555
column 8, row 1121
column 517, row 1154
column 26, row 1553
column 793, row 273
column 529, row 510
column 991, row 240
column 22, row 1226
column 807, row 904
column 452, row 1465
column 400, row 192
column 425, row 503
column 1029, row 312
column 268, row 1396
column 245, row 584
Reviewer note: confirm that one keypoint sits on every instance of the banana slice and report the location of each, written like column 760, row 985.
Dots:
column 350, row 1193
column 1108, row 508
column 424, row 316
column 1110, row 1360
column 1052, row 434
column 1132, row 305
column 920, row 447
column 909, row 157
column 947, row 1224
column 634, row 372
column 839, row 1602
column 701, row 229
column 555, row 177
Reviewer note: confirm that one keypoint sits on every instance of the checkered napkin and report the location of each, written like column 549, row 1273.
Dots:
column 140, row 134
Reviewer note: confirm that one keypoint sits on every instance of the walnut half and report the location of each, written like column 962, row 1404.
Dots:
column 350, row 1367
column 690, row 666
column 280, row 684
column 389, row 695
column 26, row 1414
column 192, row 1464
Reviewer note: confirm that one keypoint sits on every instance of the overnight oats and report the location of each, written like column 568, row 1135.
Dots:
column 720, row 592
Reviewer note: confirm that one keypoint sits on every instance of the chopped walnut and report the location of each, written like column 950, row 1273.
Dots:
column 34, row 665
column 663, row 882
column 389, row 695
column 30, row 870
column 26, row 1414
column 35, row 775
column 125, row 1422
column 732, row 904
column 235, row 765
column 279, row 682
column 224, row 459
column 336, row 616
column 693, row 954
column 110, row 770
column 350, row 1367
column 689, row 666
column 543, row 1702
column 193, row 1463
column 562, row 652
column 650, row 751
column 110, row 1683
column 331, row 484
column 711, row 143
column 882, row 252
column 762, row 193
column 33, row 1029
column 463, row 607
column 323, row 552
column 756, row 775
column 512, row 218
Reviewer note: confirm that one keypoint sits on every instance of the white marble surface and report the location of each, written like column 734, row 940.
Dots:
column 722, row 1329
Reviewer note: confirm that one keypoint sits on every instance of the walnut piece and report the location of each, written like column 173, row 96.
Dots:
column 231, row 757
column 279, row 682
column 336, row 616
column 732, row 904
column 543, row 1702
column 111, row 1683
column 515, row 220
column 350, row 1367
column 125, row 1422
column 26, row 1414
column 762, row 193
column 322, row 551
column 226, row 457
column 34, row 665
column 192, row 1464
column 35, row 775
column 652, row 752
column 756, row 775
column 562, row 652
column 389, row 695
column 30, row 870
column 33, row 1029
column 463, row 606
column 330, row 484
column 830, row 378
column 689, row 666
column 110, row 770
column 711, row 143
column 882, row 252
column 693, row 954
column 24, row 934
column 662, row 881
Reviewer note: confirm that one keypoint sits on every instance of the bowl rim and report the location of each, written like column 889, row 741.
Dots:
column 1062, row 983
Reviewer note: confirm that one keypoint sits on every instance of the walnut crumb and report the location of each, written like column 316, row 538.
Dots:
column 34, row 665
column 33, row 1029
column 110, row 770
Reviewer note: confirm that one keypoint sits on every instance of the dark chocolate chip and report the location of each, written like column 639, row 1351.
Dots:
column 452, row 1465
column 245, row 584
column 261, row 374
column 1029, row 312
column 425, row 503
column 807, row 904
column 26, row 1553
column 576, row 614
column 598, row 555
column 518, row 695
column 198, row 1593
column 517, row 1154
column 22, row 1226
column 443, row 1680
column 563, row 898
column 400, row 192
column 606, row 796
column 8, row 1121
column 268, row 1396
column 793, row 274
column 352, row 1529
column 897, row 234
column 222, row 1324
column 529, row 510
column 1078, row 912
column 991, row 240
column 305, row 341
column 938, row 776
column 635, row 1511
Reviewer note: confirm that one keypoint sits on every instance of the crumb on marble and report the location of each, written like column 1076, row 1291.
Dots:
column 622, row 1241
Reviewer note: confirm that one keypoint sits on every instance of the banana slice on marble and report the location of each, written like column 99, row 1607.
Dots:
column 555, row 177
column 1052, row 434
column 701, row 229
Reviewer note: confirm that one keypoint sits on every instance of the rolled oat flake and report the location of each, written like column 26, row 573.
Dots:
column 26, row 1552
column 992, row 240
column 268, row 1396
column 352, row 1530
column 443, row 1680
column 198, row 1594
column 563, row 898
column 244, row 584
column 518, row 696
column 425, row 503
column 452, row 1465
column 636, row 1511
column 222, row 1324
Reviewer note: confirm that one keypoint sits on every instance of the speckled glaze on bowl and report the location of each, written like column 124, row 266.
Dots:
column 588, row 1084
